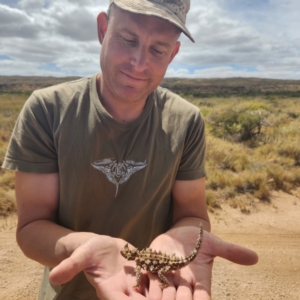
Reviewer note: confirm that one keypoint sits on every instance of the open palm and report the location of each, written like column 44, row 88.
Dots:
column 107, row 271
column 194, row 280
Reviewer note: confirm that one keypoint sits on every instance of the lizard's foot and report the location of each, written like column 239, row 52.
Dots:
column 163, row 285
column 164, row 282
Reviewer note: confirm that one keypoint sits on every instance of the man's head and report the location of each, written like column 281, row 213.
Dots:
column 136, row 51
column 174, row 11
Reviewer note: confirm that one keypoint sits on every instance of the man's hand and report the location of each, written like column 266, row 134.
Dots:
column 108, row 272
column 194, row 280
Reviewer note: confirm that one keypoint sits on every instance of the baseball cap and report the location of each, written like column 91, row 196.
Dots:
column 174, row 11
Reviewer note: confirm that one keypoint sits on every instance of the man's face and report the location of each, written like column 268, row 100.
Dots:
column 136, row 51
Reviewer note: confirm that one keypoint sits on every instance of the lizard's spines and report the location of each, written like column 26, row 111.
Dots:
column 198, row 245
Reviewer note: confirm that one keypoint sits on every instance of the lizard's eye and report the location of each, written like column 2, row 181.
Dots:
column 129, row 254
column 126, row 254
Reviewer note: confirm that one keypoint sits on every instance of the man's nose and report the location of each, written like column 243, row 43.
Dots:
column 139, row 59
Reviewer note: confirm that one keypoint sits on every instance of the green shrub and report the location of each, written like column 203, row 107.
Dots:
column 237, row 125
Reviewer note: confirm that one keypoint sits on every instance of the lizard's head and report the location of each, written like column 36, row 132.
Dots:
column 129, row 254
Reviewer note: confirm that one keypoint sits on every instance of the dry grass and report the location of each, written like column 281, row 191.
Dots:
column 268, row 161
column 10, row 106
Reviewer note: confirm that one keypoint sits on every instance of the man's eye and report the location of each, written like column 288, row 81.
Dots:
column 157, row 52
column 129, row 41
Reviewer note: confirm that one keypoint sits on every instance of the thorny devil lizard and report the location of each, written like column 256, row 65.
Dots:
column 158, row 262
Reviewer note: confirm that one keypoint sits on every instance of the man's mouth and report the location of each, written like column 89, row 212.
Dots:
column 132, row 77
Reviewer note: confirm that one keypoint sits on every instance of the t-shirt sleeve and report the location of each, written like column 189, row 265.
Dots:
column 32, row 148
column 192, row 164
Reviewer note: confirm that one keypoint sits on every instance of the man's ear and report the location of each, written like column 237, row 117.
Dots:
column 175, row 51
column 102, row 23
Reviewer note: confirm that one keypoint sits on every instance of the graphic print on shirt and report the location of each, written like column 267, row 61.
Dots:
column 118, row 172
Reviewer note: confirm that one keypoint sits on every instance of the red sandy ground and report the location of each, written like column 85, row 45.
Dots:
column 272, row 230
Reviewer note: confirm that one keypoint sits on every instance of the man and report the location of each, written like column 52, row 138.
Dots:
column 113, row 159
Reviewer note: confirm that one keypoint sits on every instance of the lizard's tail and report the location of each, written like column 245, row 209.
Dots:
column 198, row 245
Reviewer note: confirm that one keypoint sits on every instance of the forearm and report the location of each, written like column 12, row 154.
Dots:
column 48, row 243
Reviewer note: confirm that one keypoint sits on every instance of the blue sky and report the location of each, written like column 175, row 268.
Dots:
column 234, row 38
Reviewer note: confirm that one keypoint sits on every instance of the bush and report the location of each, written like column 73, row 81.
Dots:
column 237, row 125
column 280, row 177
column 226, row 156
column 290, row 150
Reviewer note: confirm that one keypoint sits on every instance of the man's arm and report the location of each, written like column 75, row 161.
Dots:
column 194, row 280
column 189, row 203
column 37, row 198
column 43, row 240
column 38, row 235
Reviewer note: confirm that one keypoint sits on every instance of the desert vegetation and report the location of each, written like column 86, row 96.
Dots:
column 10, row 106
column 253, row 147
column 253, row 138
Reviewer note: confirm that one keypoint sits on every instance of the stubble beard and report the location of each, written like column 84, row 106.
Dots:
column 125, row 93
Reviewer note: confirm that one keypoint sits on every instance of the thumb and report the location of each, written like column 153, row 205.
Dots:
column 232, row 252
column 69, row 267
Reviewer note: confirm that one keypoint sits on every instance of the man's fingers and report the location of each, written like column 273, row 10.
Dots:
column 200, row 293
column 169, row 293
column 184, row 292
column 234, row 253
column 155, row 291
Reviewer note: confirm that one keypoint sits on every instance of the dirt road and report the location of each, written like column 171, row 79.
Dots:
column 272, row 230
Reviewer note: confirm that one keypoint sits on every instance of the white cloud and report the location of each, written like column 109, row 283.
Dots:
column 244, row 33
column 31, row 5
column 82, row 21
column 17, row 23
column 233, row 38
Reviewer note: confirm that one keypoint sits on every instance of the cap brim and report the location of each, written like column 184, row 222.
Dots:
column 153, row 9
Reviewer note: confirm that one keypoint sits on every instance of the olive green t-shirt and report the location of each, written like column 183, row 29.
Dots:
column 115, row 178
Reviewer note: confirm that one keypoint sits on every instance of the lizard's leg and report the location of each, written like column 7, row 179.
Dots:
column 138, row 276
column 164, row 280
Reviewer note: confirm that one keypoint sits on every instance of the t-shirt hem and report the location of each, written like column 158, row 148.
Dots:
column 191, row 175
column 29, row 167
